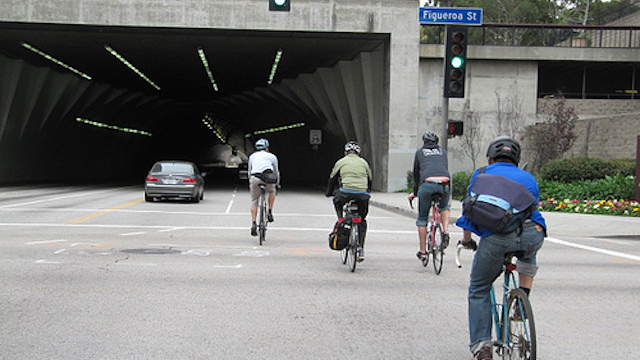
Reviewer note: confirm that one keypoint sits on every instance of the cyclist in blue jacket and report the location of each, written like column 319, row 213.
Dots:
column 503, row 155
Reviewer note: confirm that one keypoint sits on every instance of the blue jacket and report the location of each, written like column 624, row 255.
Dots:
column 514, row 173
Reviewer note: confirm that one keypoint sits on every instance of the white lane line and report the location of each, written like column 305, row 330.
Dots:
column 594, row 249
column 44, row 261
column 233, row 196
column 171, row 229
column 59, row 251
column 46, row 242
column 59, row 198
column 228, row 266
column 134, row 233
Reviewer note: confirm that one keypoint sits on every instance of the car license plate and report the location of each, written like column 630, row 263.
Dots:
column 170, row 181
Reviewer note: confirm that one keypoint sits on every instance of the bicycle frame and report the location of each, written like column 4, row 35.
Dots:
column 500, row 310
column 434, row 219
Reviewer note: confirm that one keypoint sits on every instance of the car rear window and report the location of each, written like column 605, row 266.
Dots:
column 173, row 168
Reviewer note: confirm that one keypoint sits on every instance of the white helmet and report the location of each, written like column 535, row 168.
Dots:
column 262, row 144
column 352, row 146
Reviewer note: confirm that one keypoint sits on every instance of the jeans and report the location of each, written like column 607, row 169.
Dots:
column 487, row 266
column 425, row 192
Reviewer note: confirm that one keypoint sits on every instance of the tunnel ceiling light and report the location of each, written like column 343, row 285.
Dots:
column 216, row 129
column 54, row 60
column 205, row 63
column 130, row 66
column 276, row 129
column 113, row 127
column 274, row 67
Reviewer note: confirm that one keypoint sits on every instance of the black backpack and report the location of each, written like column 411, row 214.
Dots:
column 498, row 204
column 339, row 237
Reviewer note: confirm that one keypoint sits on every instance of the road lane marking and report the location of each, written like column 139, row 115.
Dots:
column 101, row 212
column 46, row 242
column 594, row 249
column 134, row 233
column 233, row 196
column 59, row 198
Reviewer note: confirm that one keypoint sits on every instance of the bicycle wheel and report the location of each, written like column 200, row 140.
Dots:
column 521, row 343
column 352, row 256
column 343, row 254
column 262, row 225
column 437, row 251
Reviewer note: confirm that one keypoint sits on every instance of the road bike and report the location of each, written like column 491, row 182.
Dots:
column 435, row 236
column 514, row 334
column 262, row 214
column 349, row 255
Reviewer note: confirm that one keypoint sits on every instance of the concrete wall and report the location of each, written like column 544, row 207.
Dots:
column 606, row 129
column 500, row 98
column 395, row 17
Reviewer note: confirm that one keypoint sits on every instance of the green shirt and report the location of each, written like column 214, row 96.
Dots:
column 354, row 171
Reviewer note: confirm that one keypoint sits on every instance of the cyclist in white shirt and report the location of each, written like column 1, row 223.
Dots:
column 262, row 169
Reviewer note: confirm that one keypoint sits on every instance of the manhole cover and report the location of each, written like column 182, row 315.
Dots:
column 151, row 251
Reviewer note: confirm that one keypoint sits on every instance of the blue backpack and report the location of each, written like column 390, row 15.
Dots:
column 498, row 204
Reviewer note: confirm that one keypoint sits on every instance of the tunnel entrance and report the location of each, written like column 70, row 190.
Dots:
column 100, row 102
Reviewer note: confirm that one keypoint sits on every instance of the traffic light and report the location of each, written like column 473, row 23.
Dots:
column 455, row 62
column 455, row 128
column 279, row 5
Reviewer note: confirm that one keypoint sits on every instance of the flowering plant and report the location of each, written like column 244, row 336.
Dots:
column 606, row 207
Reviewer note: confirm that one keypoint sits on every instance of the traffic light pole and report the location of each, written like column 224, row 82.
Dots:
column 444, row 125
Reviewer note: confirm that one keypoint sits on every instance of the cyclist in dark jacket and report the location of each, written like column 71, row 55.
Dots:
column 430, row 176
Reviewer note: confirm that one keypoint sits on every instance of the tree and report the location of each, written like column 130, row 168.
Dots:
column 472, row 138
column 555, row 136
column 594, row 12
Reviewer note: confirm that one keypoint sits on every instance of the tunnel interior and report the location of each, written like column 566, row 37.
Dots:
column 92, row 103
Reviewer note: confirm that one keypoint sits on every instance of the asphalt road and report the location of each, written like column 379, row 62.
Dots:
column 97, row 273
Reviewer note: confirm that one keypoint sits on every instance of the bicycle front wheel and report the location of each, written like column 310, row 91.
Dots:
column 436, row 249
column 352, row 256
column 521, row 330
column 343, row 254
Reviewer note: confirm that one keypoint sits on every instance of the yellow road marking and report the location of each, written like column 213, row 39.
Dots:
column 101, row 212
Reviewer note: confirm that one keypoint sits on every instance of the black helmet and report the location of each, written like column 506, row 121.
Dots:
column 430, row 137
column 352, row 146
column 504, row 147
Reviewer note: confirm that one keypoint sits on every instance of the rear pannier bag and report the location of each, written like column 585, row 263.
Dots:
column 339, row 237
column 498, row 204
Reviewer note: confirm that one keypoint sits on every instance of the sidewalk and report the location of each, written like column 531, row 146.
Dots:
column 558, row 224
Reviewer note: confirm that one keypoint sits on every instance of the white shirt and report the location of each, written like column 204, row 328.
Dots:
column 262, row 160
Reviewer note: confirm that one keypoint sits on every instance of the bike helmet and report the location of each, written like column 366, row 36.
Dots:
column 262, row 144
column 352, row 146
column 504, row 147
column 430, row 137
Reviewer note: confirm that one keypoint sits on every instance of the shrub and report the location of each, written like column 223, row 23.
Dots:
column 609, row 188
column 459, row 185
column 584, row 168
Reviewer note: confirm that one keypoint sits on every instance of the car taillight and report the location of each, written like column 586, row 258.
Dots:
column 151, row 178
column 189, row 180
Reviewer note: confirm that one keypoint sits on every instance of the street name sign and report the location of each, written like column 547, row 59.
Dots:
column 450, row 16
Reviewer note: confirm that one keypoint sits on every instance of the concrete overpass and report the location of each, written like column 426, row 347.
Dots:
column 71, row 108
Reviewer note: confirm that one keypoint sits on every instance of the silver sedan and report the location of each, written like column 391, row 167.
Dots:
column 174, row 179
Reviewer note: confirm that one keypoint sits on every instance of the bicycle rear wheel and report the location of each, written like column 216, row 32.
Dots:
column 437, row 251
column 262, row 224
column 521, row 343
column 352, row 256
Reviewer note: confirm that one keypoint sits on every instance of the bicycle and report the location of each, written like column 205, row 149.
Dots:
column 514, row 325
column 349, row 255
column 435, row 246
column 262, row 215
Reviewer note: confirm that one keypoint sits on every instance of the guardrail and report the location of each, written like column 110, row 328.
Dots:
column 582, row 36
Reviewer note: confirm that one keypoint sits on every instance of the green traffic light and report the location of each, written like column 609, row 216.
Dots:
column 456, row 62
